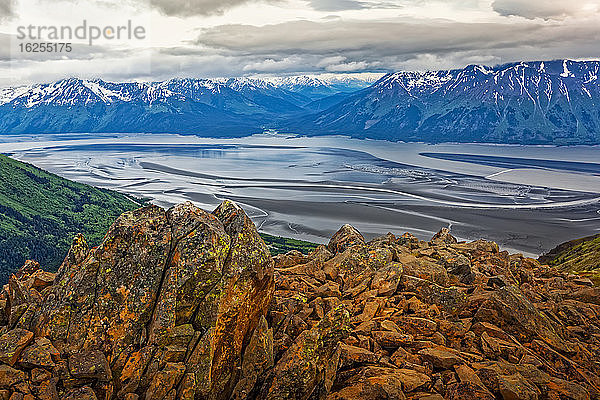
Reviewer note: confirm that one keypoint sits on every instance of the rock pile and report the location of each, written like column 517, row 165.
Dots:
column 441, row 320
column 185, row 304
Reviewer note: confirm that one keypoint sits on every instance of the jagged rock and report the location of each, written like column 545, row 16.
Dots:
column 10, row 376
column 28, row 268
column 185, row 304
column 258, row 358
column 346, row 237
column 457, row 265
column 386, row 279
column 164, row 381
column 303, row 367
column 84, row 393
column 91, row 364
column 441, row 357
column 40, row 279
column 513, row 312
column 351, row 356
column 516, row 387
column 167, row 294
column 12, row 344
column 41, row 353
column 421, row 267
column 374, row 383
column 444, row 236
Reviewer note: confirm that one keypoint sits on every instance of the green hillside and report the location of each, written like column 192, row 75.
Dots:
column 41, row 212
column 581, row 256
column 281, row 245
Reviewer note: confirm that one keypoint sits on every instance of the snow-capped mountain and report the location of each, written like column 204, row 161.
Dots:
column 75, row 91
column 318, row 86
column 212, row 107
column 554, row 102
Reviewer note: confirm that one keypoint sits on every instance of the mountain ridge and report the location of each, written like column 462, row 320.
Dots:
column 541, row 102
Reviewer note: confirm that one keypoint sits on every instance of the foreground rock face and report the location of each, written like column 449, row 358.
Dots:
column 185, row 304
column 164, row 308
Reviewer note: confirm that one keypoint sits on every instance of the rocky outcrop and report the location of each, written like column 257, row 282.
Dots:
column 186, row 304
column 442, row 320
column 164, row 308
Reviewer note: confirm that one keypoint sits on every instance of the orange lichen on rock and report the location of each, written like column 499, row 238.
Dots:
column 186, row 304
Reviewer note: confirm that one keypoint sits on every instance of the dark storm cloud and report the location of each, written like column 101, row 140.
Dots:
column 367, row 46
column 375, row 38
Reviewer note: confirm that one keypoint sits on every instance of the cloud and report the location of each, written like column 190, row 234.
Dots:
column 187, row 8
column 340, row 45
column 336, row 5
column 6, row 9
column 546, row 9
column 380, row 41
column 339, row 64
column 348, row 67
column 328, row 61
column 370, row 38
column 270, row 65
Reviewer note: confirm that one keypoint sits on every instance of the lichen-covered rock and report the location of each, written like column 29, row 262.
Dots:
column 344, row 238
column 163, row 308
column 10, row 376
column 444, row 237
column 303, row 367
column 443, row 320
column 12, row 344
column 185, row 304
column 258, row 358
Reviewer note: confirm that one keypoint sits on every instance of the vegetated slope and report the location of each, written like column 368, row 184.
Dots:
column 281, row 245
column 555, row 102
column 581, row 256
column 40, row 214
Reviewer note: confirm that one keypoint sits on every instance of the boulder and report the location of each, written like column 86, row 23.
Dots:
column 10, row 376
column 303, row 367
column 163, row 291
column 345, row 238
column 441, row 357
column 12, row 344
column 186, row 304
column 443, row 237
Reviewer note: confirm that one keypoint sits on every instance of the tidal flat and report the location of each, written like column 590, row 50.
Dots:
column 526, row 198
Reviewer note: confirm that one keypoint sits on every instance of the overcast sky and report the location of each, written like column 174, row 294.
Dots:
column 215, row 38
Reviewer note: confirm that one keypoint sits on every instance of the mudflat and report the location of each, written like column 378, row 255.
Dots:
column 526, row 198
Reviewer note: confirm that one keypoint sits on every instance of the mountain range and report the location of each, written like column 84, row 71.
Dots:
column 208, row 107
column 554, row 102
